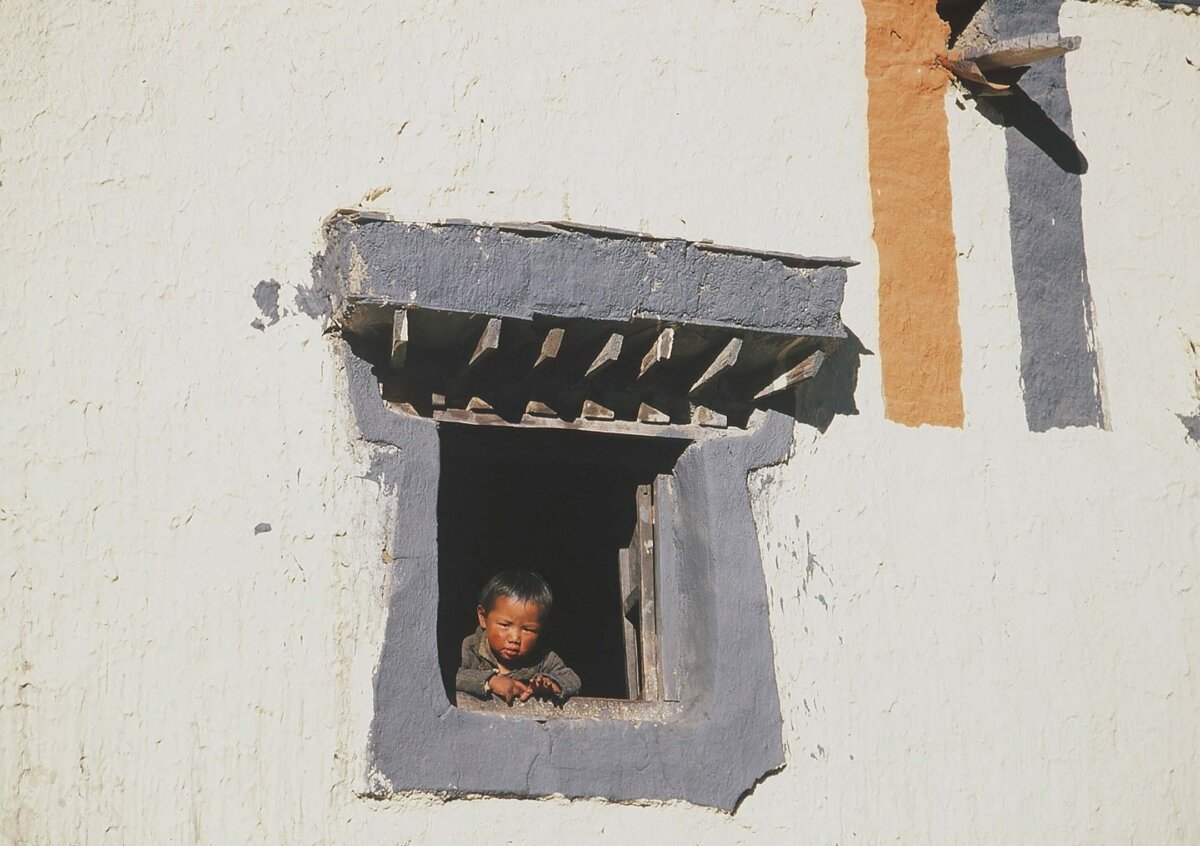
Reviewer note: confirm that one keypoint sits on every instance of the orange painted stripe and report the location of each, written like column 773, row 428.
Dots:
column 920, row 341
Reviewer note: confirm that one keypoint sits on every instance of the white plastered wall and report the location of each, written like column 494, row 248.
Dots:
column 983, row 635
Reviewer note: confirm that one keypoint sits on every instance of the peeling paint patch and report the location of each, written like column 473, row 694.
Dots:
column 262, row 528
column 266, row 297
column 1191, row 422
column 313, row 301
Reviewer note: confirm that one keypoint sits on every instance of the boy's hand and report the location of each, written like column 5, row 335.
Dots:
column 544, row 686
column 509, row 689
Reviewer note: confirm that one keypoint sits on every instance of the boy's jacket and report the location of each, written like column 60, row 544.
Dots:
column 479, row 664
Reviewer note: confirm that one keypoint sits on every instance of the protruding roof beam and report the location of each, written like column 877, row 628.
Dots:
column 704, row 416
column 975, row 65
column 725, row 359
column 661, row 351
column 1022, row 52
column 595, row 411
column 804, row 370
column 551, row 344
column 610, row 353
column 437, row 361
column 539, row 409
column 399, row 337
column 489, row 341
column 650, row 414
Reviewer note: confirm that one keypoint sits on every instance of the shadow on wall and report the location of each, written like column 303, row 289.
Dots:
column 831, row 391
column 975, row 21
column 1023, row 114
column 1191, row 422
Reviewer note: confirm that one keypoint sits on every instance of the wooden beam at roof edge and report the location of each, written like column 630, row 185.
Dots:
column 1022, row 52
column 551, row 344
column 725, row 359
column 489, row 341
column 595, row 411
column 539, row 409
column 705, row 416
column 804, row 370
column 610, row 353
column 649, row 414
column 659, row 352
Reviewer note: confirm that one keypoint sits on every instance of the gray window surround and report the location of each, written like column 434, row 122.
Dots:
column 729, row 700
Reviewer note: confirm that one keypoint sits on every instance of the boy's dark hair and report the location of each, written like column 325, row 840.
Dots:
column 521, row 585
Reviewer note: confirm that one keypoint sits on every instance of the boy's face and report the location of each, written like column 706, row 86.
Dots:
column 512, row 628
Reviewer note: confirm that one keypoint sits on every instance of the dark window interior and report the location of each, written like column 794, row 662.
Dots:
column 561, row 503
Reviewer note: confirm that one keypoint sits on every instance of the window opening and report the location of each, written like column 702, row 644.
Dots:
column 577, row 507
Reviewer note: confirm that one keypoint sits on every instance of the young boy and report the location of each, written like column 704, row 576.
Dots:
column 503, row 657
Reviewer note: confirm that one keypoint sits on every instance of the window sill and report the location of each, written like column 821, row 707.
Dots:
column 578, row 708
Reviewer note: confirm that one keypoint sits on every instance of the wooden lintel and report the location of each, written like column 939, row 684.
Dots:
column 551, row 344
column 804, row 370
column 725, row 359
column 661, row 351
column 539, row 409
column 608, row 354
column 489, row 341
column 595, row 411
column 705, row 416
column 650, row 414
column 399, row 337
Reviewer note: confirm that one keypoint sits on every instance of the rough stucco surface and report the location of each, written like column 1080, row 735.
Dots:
column 484, row 270
column 984, row 636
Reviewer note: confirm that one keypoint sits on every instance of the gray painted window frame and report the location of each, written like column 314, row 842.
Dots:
column 729, row 701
